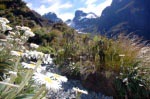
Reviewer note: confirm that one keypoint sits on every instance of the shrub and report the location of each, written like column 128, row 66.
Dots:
column 2, row 6
column 132, row 83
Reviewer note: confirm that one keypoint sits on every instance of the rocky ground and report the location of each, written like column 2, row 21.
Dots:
column 67, row 91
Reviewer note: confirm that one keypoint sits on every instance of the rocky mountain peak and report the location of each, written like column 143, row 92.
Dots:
column 79, row 13
column 53, row 17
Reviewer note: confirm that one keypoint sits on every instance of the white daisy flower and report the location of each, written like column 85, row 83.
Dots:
column 22, row 47
column 41, row 69
column 24, row 28
column 18, row 27
column 141, row 85
column 24, row 37
column 80, row 91
column 34, row 54
column 3, row 40
column 29, row 66
column 136, row 68
column 5, row 27
column 3, row 20
column 7, row 80
column 34, row 45
column 13, row 73
column 121, row 73
column 122, row 55
column 16, row 53
column 29, row 33
column 47, row 59
column 73, row 63
column 32, row 65
column 18, row 40
column 12, row 33
column 8, row 27
column 125, row 80
column 57, row 77
column 47, row 81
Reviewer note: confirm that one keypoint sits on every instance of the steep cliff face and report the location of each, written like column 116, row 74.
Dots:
column 126, row 16
column 52, row 17
column 82, row 21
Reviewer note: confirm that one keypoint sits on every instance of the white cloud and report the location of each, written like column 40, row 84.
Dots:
column 90, row 2
column 97, row 9
column 66, row 5
column 55, row 7
column 66, row 16
column 48, row 1
column 29, row 5
column 58, row 6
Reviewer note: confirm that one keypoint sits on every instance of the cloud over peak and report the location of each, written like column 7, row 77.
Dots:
column 65, row 9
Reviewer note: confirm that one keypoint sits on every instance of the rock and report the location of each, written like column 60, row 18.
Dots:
column 98, row 82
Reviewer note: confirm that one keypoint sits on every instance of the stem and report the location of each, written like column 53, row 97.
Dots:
column 6, row 91
column 16, row 65
column 12, row 85
column 44, row 94
column 12, row 79
column 28, row 77
column 37, row 95
column 23, row 83
column 78, row 95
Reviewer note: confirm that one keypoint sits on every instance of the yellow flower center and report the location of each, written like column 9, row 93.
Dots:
column 20, row 53
column 56, row 76
column 48, row 80
column 32, row 65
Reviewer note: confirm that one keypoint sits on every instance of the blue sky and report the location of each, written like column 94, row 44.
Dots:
column 65, row 9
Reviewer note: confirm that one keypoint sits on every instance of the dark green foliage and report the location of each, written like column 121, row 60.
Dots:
column 135, row 87
column 19, row 14
column 5, row 63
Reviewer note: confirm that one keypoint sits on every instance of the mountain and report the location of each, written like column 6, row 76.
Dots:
column 127, row 16
column 81, row 20
column 52, row 17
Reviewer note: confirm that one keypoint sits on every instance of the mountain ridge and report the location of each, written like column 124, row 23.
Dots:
column 81, row 19
column 122, row 16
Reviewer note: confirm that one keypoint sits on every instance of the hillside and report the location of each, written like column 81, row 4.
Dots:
column 19, row 14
